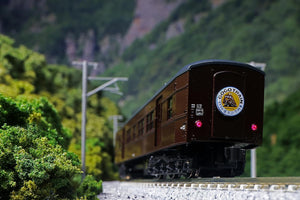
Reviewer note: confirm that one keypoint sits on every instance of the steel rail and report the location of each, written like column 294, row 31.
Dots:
column 289, row 184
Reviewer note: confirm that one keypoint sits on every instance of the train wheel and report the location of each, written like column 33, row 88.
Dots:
column 189, row 174
column 173, row 176
column 197, row 173
column 158, row 177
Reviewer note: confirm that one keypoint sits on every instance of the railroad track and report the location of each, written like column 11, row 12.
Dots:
column 208, row 188
column 288, row 184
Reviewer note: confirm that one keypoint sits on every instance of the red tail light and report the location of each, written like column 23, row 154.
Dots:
column 198, row 123
column 254, row 127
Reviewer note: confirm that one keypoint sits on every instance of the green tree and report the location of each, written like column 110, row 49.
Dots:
column 33, row 78
column 34, row 162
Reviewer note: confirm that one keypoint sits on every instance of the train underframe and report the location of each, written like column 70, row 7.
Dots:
column 189, row 160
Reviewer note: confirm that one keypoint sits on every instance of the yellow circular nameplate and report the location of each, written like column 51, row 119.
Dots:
column 230, row 101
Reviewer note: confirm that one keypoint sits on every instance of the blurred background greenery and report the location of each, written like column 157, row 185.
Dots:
column 48, row 35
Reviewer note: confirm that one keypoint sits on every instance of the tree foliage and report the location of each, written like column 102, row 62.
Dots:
column 36, row 137
column 34, row 161
column 281, row 139
column 90, row 188
column 33, row 78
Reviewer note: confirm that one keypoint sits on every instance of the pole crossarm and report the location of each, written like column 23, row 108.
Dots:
column 80, row 63
column 114, row 89
column 105, row 85
column 107, row 78
column 260, row 66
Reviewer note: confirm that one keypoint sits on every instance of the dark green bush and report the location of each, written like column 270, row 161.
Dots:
column 44, row 115
column 34, row 161
column 32, row 167
column 10, row 113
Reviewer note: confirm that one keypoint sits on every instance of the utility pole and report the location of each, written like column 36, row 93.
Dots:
column 262, row 67
column 115, row 119
column 253, row 163
column 86, row 94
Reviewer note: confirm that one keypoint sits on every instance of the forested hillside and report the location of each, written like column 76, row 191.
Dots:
column 67, row 30
column 265, row 31
column 281, row 138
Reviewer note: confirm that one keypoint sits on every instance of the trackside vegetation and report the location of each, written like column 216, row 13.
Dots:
column 35, row 163
column 40, row 129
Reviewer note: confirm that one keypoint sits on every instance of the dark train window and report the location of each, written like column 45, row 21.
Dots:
column 149, row 125
column 141, row 127
column 169, row 110
column 133, row 132
column 128, row 134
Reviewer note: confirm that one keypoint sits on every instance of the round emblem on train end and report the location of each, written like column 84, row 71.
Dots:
column 230, row 101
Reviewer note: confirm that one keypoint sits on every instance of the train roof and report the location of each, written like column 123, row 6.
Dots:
column 194, row 65
column 214, row 62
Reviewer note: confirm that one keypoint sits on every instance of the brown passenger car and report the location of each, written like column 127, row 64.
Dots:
column 199, row 124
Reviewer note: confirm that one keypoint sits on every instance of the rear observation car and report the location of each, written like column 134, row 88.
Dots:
column 199, row 124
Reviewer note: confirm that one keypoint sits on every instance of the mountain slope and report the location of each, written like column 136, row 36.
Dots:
column 261, row 31
column 65, row 30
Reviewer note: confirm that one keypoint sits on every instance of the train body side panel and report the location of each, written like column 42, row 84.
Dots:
column 181, row 111
column 168, row 110
column 175, row 118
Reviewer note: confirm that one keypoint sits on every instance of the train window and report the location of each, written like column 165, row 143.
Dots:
column 141, row 127
column 170, row 106
column 149, row 125
column 133, row 132
column 128, row 134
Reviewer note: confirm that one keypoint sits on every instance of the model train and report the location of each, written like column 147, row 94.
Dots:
column 199, row 124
